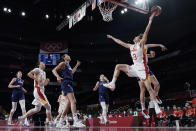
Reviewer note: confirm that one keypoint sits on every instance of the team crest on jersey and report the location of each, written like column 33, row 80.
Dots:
column 20, row 81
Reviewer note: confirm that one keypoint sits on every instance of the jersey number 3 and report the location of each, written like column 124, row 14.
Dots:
column 134, row 57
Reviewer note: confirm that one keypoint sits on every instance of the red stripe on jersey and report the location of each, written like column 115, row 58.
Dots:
column 41, row 96
column 39, row 92
column 36, row 83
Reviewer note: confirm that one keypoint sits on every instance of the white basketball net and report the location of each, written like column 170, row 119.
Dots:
column 106, row 9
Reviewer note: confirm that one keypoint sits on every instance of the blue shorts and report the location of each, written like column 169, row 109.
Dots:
column 17, row 96
column 104, row 98
column 150, row 72
column 66, row 87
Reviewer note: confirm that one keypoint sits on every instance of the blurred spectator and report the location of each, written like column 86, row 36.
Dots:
column 2, row 113
column 152, row 114
column 162, row 117
column 130, row 112
column 180, row 115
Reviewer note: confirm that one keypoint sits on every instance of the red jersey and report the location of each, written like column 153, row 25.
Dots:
column 176, row 113
column 194, row 101
column 189, row 112
column 181, row 113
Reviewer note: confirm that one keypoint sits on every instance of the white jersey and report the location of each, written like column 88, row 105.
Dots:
column 139, row 67
column 40, row 97
column 39, row 82
column 138, row 54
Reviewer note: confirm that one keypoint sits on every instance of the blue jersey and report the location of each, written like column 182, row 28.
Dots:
column 67, row 72
column 101, row 88
column 18, row 93
column 103, row 92
column 18, row 82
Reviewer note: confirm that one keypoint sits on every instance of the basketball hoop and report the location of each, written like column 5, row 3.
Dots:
column 106, row 8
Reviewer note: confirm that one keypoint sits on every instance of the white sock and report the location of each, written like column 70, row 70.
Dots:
column 26, row 121
column 67, row 122
column 9, row 119
column 143, row 106
column 105, row 119
column 55, row 120
column 75, row 117
column 61, row 119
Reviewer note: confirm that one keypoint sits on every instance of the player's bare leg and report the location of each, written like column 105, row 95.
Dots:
column 152, row 95
column 142, row 99
column 22, row 105
column 48, row 111
column 118, row 68
column 65, row 111
column 30, row 113
column 14, row 106
column 156, row 85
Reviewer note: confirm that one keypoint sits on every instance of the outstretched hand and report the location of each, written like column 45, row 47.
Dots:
column 163, row 48
column 78, row 62
column 109, row 36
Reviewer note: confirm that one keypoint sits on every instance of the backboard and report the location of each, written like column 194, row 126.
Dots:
column 136, row 5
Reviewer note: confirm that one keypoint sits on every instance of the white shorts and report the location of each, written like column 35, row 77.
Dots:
column 138, row 71
column 40, row 97
column 61, row 108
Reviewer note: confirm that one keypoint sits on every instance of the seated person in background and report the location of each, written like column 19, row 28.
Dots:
column 130, row 112
column 2, row 113
column 172, row 117
column 180, row 114
column 152, row 114
column 188, row 114
column 162, row 117
column 176, row 116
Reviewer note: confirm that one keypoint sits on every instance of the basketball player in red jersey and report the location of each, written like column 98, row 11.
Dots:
column 139, row 68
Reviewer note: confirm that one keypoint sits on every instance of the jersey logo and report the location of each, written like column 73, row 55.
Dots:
column 133, row 50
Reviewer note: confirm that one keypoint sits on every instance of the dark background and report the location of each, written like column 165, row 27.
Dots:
column 20, row 38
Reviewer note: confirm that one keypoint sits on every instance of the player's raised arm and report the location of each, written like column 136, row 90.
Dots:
column 163, row 48
column 76, row 66
column 126, row 45
column 145, row 35
column 58, row 67
column 96, row 86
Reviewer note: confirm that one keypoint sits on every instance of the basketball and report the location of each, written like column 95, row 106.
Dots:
column 157, row 10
